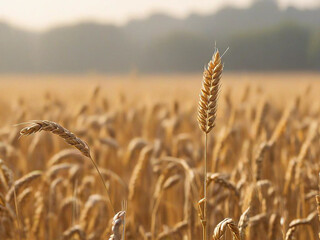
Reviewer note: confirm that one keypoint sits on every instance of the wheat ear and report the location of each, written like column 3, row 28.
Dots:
column 207, row 109
column 207, row 106
column 118, row 219
column 70, row 138
column 221, row 228
column 55, row 128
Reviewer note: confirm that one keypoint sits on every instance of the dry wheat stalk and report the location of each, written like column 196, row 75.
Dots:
column 289, row 234
column 207, row 109
column 243, row 222
column 259, row 159
column 26, row 180
column 298, row 222
column 177, row 229
column 219, row 179
column 110, row 175
column 59, row 169
column 2, row 200
column 134, row 145
column 289, row 175
column 312, row 133
column 93, row 202
column 171, row 181
column 66, row 154
column 74, row 231
column 66, row 209
column 24, row 196
column 273, row 223
column 38, row 215
column 6, row 173
column 260, row 115
column 110, row 142
column 259, row 218
column 138, row 171
column 162, row 185
column 280, row 128
column 70, row 138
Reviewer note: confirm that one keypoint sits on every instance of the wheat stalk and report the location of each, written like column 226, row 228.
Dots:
column 217, row 178
column 298, row 222
column 70, row 138
column 180, row 226
column 243, row 222
column 274, row 220
column 207, row 109
column 19, row 184
column 74, row 231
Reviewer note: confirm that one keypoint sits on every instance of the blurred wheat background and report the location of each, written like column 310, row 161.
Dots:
column 150, row 150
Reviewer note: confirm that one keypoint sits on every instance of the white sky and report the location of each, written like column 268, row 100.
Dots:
column 42, row 14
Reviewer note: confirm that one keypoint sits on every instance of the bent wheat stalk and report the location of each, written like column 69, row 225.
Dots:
column 207, row 109
column 299, row 222
column 217, row 178
column 244, row 222
column 70, row 138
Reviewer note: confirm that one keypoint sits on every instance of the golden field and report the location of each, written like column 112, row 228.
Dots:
column 143, row 133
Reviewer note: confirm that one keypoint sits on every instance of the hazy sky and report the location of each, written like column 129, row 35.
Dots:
column 42, row 14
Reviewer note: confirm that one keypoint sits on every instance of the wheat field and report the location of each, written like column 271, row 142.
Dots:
column 142, row 132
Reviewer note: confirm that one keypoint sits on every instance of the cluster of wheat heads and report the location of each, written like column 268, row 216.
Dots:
column 259, row 179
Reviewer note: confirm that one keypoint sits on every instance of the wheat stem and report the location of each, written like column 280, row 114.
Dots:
column 207, row 109
column 17, row 210
column 104, row 184
column 205, row 189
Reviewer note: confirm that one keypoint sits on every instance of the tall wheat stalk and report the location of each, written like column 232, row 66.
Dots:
column 207, row 109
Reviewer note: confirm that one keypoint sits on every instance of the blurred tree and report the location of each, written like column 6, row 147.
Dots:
column 280, row 48
column 314, row 51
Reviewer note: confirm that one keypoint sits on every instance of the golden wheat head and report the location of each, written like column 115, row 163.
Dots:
column 118, row 220
column 55, row 128
column 207, row 107
column 221, row 228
